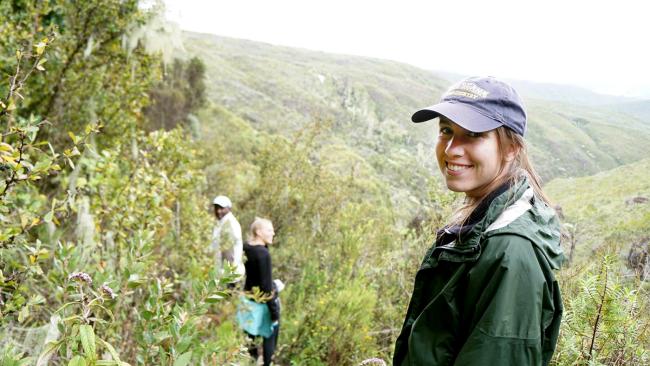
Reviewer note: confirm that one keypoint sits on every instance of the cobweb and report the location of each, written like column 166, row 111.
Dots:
column 29, row 341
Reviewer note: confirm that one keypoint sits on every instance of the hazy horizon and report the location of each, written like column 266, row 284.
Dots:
column 600, row 52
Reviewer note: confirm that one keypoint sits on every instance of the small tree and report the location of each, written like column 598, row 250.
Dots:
column 180, row 93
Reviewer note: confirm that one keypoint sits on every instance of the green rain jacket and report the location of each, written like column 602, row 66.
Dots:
column 491, row 299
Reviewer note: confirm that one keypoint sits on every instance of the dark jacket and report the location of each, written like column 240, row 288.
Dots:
column 259, row 274
column 491, row 297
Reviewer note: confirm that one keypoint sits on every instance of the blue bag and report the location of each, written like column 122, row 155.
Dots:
column 254, row 317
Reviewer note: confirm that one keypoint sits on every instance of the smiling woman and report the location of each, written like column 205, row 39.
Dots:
column 470, row 162
column 485, row 292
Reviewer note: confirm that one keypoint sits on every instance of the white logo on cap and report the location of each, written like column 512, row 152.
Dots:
column 468, row 90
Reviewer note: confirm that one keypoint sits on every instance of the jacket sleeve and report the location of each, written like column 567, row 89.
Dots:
column 505, row 295
column 267, row 287
column 216, row 236
column 238, row 249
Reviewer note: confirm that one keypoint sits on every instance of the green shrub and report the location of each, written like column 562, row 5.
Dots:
column 605, row 320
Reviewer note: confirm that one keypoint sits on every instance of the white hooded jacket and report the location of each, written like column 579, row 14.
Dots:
column 226, row 235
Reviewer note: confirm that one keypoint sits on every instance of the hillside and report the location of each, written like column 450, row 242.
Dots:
column 639, row 109
column 370, row 101
column 609, row 208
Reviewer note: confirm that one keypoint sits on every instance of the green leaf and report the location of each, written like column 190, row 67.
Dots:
column 42, row 165
column 183, row 359
column 87, row 336
column 213, row 298
column 11, row 105
column 31, row 132
column 184, row 343
column 6, row 147
column 36, row 299
column 73, row 137
column 40, row 47
column 161, row 336
column 77, row 361
column 146, row 314
column 23, row 314
column 135, row 281
column 111, row 350
column 49, row 350
column 39, row 66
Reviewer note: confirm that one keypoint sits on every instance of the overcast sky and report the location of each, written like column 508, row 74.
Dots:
column 602, row 45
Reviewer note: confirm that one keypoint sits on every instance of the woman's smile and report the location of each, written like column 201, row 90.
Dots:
column 456, row 169
column 469, row 161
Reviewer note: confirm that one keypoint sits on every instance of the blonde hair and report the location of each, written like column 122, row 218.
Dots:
column 257, row 225
column 518, row 169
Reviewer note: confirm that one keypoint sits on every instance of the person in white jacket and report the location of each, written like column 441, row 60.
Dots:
column 227, row 241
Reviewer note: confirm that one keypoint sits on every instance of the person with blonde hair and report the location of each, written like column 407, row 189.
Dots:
column 259, row 275
column 485, row 293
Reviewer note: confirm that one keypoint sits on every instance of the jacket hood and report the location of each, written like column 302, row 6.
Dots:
column 519, row 211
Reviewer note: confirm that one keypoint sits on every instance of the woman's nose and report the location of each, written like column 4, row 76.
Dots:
column 454, row 147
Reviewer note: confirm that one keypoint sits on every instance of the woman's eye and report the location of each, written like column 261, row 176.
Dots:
column 445, row 131
column 474, row 134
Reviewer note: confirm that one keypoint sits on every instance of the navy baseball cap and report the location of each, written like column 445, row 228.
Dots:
column 479, row 104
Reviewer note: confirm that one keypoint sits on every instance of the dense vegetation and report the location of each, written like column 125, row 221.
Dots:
column 110, row 157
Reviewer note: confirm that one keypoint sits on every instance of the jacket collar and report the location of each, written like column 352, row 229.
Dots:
column 513, row 211
column 496, row 207
column 489, row 211
column 451, row 233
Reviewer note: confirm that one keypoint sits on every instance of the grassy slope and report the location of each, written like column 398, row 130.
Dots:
column 572, row 140
column 639, row 109
column 280, row 89
column 599, row 206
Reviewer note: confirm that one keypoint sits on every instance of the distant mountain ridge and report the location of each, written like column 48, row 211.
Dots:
column 572, row 132
column 639, row 109
column 564, row 93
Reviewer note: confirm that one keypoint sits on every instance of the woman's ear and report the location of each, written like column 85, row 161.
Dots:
column 512, row 151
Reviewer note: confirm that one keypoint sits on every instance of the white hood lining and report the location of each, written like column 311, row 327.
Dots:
column 513, row 212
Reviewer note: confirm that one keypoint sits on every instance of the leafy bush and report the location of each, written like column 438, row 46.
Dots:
column 605, row 320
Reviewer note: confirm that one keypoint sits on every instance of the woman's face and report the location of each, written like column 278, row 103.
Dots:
column 266, row 233
column 470, row 162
